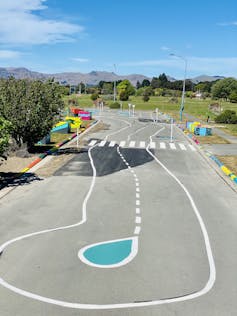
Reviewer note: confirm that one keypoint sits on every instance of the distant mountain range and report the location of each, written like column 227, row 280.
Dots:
column 92, row 78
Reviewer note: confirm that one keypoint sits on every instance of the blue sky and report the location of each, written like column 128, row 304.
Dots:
column 136, row 36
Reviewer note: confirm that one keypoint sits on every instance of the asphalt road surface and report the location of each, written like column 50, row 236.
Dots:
column 134, row 181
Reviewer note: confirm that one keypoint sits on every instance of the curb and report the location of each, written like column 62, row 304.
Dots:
column 221, row 166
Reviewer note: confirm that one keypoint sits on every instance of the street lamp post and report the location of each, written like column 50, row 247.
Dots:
column 184, row 81
column 114, row 84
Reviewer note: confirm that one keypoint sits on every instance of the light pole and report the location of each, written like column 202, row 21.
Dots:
column 114, row 84
column 184, row 81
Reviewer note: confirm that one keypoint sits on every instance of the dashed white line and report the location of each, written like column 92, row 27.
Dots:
column 137, row 230
column 138, row 220
column 132, row 144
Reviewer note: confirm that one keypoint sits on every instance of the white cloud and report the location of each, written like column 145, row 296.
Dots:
column 206, row 65
column 228, row 23
column 165, row 48
column 80, row 60
column 9, row 54
column 19, row 24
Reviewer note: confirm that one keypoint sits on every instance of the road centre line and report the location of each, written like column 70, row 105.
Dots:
column 66, row 304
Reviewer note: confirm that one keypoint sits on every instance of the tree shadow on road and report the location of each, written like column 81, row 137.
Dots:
column 12, row 179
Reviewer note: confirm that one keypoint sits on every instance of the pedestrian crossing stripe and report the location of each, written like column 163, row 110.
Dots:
column 112, row 144
column 92, row 143
column 143, row 144
column 182, row 147
column 172, row 146
column 102, row 143
column 162, row 145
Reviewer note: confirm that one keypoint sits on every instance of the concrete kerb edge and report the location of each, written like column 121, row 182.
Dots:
column 213, row 162
column 7, row 190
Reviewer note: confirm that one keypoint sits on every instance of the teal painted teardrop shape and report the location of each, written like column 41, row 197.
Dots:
column 108, row 254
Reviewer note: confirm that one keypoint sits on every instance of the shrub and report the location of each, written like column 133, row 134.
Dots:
column 146, row 98
column 227, row 117
column 94, row 96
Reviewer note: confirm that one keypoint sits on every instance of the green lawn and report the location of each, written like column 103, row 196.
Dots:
column 197, row 108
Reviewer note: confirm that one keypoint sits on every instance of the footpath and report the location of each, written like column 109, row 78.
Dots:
column 213, row 150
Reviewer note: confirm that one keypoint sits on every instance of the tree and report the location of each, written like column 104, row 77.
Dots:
column 5, row 129
column 146, row 83
column 223, row 89
column 31, row 107
column 138, row 85
column 123, row 96
column 126, row 89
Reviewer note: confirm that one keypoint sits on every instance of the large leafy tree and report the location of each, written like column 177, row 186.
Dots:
column 125, row 87
column 5, row 128
column 224, row 88
column 31, row 107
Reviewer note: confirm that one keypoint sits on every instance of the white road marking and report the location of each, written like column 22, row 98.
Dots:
column 162, row 145
column 138, row 202
column 138, row 195
column 137, row 230
column 142, row 144
column 137, row 184
column 192, row 147
column 112, row 144
column 92, row 143
column 102, row 143
column 132, row 144
column 138, row 189
column 122, row 143
column 138, row 211
column 182, row 146
column 172, row 146
column 206, row 289
column 152, row 145
column 138, row 220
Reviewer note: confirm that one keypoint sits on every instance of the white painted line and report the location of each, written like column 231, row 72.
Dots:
column 138, row 202
column 137, row 189
column 137, row 230
column 138, row 220
column 132, row 144
column 192, row 147
column 102, row 143
column 132, row 171
column 182, row 146
column 142, row 144
column 137, row 184
column 162, row 145
column 152, row 145
column 92, row 143
column 112, row 144
column 138, row 211
column 172, row 146
column 122, row 143
column 138, row 195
